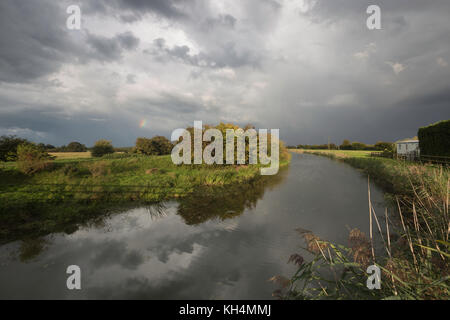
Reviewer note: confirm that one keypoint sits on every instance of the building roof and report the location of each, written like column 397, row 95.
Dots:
column 408, row 141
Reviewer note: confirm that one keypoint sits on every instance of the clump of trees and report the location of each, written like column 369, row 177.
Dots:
column 379, row 146
column 8, row 147
column 434, row 140
column 223, row 127
column 347, row 145
column 32, row 158
column 158, row 145
column 385, row 146
column 73, row 146
column 101, row 148
column 46, row 147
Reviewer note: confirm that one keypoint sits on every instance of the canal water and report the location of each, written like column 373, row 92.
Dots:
column 217, row 244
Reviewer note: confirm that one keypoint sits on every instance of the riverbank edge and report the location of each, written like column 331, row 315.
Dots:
column 29, row 211
column 380, row 170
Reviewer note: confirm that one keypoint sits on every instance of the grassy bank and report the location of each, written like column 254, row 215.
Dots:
column 414, row 233
column 337, row 153
column 78, row 188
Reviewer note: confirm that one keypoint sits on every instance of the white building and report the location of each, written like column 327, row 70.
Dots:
column 408, row 148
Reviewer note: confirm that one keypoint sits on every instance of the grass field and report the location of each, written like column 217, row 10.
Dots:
column 338, row 153
column 71, row 155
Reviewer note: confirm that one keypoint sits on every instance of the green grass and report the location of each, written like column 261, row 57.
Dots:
column 150, row 178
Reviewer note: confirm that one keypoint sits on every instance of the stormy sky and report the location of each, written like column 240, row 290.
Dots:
column 140, row 68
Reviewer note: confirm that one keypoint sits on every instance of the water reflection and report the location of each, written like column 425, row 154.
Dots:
column 226, row 202
column 31, row 248
column 216, row 245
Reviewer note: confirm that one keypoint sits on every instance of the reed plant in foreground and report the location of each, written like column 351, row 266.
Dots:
column 414, row 243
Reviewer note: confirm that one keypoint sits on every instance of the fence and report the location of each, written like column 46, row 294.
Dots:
column 410, row 156
column 435, row 159
column 382, row 154
column 414, row 156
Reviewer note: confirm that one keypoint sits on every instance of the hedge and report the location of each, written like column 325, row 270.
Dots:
column 434, row 140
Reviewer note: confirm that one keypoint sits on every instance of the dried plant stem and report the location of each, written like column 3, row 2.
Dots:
column 408, row 237
column 370, row 219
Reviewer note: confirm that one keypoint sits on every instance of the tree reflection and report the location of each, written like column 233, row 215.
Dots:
column 31, row 248
column 228, row 201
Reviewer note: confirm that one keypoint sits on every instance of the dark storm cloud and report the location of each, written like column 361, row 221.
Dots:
column 341, row 9
column 216, row 32
column 225, row 20
column 320, row 73
column 165, row 104
column 166, row 8
column 228, row 55
column 35, row 42
column 30, row 45
column 133, row 10
column 127, row 40
column 107, row 49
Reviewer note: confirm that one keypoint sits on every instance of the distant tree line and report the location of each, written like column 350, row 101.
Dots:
column 347, row 145
column 158, row 145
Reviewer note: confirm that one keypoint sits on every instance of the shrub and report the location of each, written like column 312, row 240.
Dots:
column 158, row 145
column 32, row 159
column 101, row 148
column 346, row 145
column 75, row 147
column 46, row 147
column 434, row 140
column 358, row 146
column 383, row 146
column 8, row 147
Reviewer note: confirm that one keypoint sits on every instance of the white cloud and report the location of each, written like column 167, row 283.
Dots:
column 365, row 54
column 396, row 67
